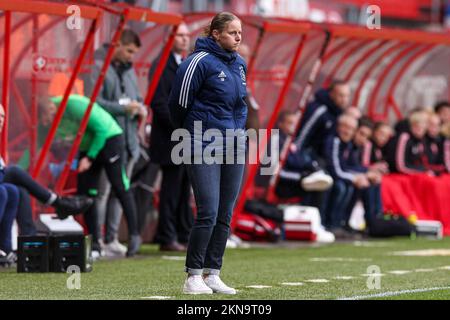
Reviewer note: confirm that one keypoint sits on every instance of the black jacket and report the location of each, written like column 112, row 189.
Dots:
column 402, row 126
column 372, row 154
column 436, row 150
column 162, row 128
column 407, row 154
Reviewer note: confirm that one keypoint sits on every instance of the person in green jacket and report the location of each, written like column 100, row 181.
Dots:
column 100, row 149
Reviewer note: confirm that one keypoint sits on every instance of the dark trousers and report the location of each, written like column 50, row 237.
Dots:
column 371, row 199
column 175, row 214
column 292, row 188
column 143, row 179
column 337, row 202
column 216, row 188
column 110, row 159
column 20, row 178
column 307, row 161
column 25, row 214
column 9, row 201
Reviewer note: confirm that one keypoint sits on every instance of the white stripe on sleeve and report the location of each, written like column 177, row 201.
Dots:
column 400, row 154
column 183, row 84
column 184, row 93
column 290, row 175
column 366, row 154
column 337, row 164
column 308, row 126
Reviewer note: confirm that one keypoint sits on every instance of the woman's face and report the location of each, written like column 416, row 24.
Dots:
column 419, row 129
column 434, row 126
column 230, row 38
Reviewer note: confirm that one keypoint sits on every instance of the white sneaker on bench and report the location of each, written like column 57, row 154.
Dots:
column 317, row 181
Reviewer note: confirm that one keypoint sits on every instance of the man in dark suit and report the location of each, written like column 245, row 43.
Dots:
column 175, row 214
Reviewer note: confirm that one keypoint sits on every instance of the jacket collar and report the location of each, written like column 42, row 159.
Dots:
column 209, row 45
column 323, row 97
column 100, row 54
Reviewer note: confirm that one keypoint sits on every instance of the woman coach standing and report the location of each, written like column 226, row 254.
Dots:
column 209, row 89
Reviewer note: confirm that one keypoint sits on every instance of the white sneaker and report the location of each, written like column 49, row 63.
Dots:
column 231, row 244
column 114, row 249
column 235, row 238
column 120, row 246
column 96, row 255
column 217, row 285
column 195, row 285
column 235, row 242
column 98, row 252
column 317, row 181
column 324, row 236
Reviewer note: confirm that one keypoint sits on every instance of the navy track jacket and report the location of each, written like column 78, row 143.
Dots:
column 339, row 157
column 318, row 122
column 210, row 86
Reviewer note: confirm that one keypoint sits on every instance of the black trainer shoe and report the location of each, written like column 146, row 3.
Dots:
column 71, row 205
column 133, row 245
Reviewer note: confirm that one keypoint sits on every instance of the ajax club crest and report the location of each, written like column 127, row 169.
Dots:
column 244, row 79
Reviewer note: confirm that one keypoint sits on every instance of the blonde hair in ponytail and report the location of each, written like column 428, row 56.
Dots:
column 219, row 23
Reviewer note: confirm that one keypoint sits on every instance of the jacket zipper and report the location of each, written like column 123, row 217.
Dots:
column 237, row 93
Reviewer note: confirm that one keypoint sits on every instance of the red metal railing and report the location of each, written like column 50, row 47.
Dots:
column 5, row 87
column 62, row 107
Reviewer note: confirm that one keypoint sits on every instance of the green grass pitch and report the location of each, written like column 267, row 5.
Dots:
column 153, row 274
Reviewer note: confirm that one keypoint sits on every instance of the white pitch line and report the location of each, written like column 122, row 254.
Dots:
column 444, row 268
column 157, row 298
column 373, row 275
column 424, row 270
column 394, row 293
column 339, row 259
column 371, row 244
column 292, row 284
column 344, row 277
column 423, row 253
column 174, row 258
column 399, row 272
column 257, row 286
column 317, row 280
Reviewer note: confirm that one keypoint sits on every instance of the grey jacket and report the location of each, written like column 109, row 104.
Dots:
column 110, row 94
